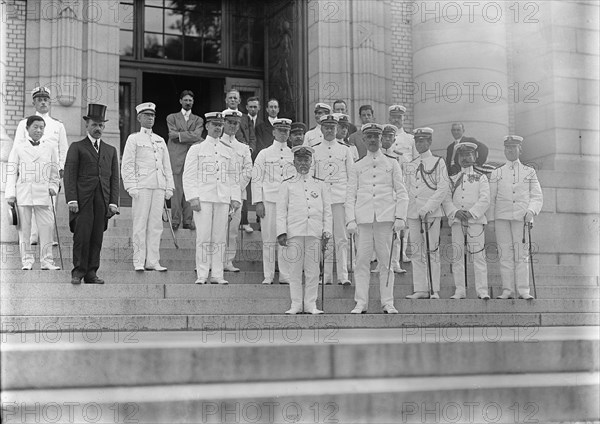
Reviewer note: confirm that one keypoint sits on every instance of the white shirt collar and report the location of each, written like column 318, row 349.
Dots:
column 271, row 120
column 92, row 139
column 186, row 112
column 146, row 130
column 426, row 154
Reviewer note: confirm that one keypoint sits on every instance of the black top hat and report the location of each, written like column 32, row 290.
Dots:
column 96, row 112
column 13, row 214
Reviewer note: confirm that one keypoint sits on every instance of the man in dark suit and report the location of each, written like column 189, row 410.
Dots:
column 248, row 125
column 264, row 130
column 367, row 115
column 185, row 129
column 92, row 193
column 457, row 130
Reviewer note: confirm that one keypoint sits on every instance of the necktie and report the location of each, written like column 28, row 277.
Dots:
column 186, row 116
column 252, row 120
column 96, row 145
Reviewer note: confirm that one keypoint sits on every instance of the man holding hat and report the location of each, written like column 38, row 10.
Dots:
column 333, row 162
column 32, row 181
column 516, row 197
column 185, row 129
column 243, row 173
column 148, row 178
column 315, row 135
column 427, row 185
column 374, row 180
column 211, row 187
column 54, row 133
column 303, row 224
column 273, row 165
column 92, row 193
column 466, row 206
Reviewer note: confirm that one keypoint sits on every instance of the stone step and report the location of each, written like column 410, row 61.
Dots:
column 229, row 304
column 62, row 290
column 544, row 397
column 209, row 357
column 130, row 324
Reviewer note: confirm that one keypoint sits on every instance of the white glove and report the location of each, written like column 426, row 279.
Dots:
column 168, row 194
column 134, row 193
column 528, row 216
column 399, row 225
column 352, row 227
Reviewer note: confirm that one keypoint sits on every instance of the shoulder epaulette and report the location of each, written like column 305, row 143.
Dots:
column 288, row 178
column 318, row 179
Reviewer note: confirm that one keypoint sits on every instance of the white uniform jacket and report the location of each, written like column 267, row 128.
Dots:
column 272, row 165
column 375, row 190
column 243, row 162
column 514, row 189
column 303, row 207
column 333, row 162
column 146, row 162
column 404, row 146
column 313, row 136
column 54, row 132
column 469, row 191
column 427, row 183
column 209, row 173
column 31, row 172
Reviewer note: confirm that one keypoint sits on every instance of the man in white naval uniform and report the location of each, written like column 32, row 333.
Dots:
column 374, row 181
column 465, row 207
column 314, row 135
column 209, row 183
column 427, row 185
column 147, row 177
column 31, row 179
column 243, row 173
column 272, row 165
column 333, row 161
column 516, row 197
column 303, row 224
column 404, row 147
column 54, row 133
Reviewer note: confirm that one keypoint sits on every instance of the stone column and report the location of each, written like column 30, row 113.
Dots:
column 460, row 71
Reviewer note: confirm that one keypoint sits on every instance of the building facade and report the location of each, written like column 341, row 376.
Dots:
column 529, row 68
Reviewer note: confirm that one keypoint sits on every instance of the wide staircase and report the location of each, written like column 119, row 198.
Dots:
column 154, row 347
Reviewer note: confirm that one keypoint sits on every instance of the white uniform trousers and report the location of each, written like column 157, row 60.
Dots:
column 34, row 227
column 418, row 254
column 146, row 210
column 476, row 245
column 377, row 236
column 514, row 256
column 234, row 230
column 45, row 222
column 268, row 228
column 340, row 241
column 303, row 255
column 211, row 234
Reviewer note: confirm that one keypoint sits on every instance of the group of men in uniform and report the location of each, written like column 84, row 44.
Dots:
column 320, row 197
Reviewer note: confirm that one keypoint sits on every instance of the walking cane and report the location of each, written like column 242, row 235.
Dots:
column 387, row 282
column 529, row 225
column 62, row 265
column 465, row 229
column 171, row 225
column 401, row 244
column 428, row 257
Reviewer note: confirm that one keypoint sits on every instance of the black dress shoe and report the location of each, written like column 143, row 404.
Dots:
column 175, row 227
column 75, row 280
column 189, row 227
column 94, row 280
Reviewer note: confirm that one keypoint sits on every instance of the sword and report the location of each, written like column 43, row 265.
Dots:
column 529, row 225
column 351, row 270
column 465, row 229
column 62, row 265
column 322, row 276
column 387, row 282
column 170, row 225
column 428, row 256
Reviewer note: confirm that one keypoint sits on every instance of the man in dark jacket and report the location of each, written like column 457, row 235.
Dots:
column 92, row 193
